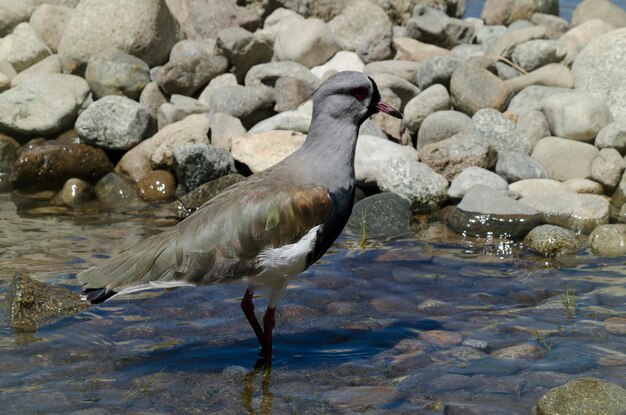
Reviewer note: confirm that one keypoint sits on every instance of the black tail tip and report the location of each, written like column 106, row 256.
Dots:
column 98, row 295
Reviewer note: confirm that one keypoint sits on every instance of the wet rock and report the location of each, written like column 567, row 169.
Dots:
column 437, row 70
column 157, row 150
column 199, row 163
column 380, row 216
column 188, row 203
column 178, row 109
column 537, row 53
column 505, row 45
column 531, row 99
column 404, row 69
column 289, row 93
column 157, row 186
column 13, row 13
column 576, row 115
column 262, row 150
column 473, row 88
column 441, row 125
column 552, row 240
column 51, row 165
column 583, row 396
column 429, row 101
column 520, row 351
column 268, row 73
column 414, row 50
column 117, row 189
column 501, row 132
column 565, row 159
column 486, row 211
column 242, row 49
column 29, row 303
column 360, row 398
column 598, row 70
column 609, row 240
column 113, row 72
column 8, row 153
column 42, row 105
column 249, row 104
column 373, row 155
column 223, row 128
column 578, row 37
column 514, row 166
column 615, row 325
column 607, row 168
column 423, row 187
column 144, row 28
column 435, row 27
column 309, row 42
column 74, row 193
column 451, row 156
column 23, row 48
column 599, row 9
column 364, row 27
column 472, row 176
column 342, row 61
column 114, row 123
column 49, row 21
column 187, row 75
column 441, row 338
column 612, row 136
column 46, row 66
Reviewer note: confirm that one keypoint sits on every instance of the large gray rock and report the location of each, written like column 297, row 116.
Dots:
column 583, row 396
column 537, row 53
column 309, row 42
column 472, row 176
column 197, row 164
column 494, row 126
column 576, row 115
column 532, row 98
column 607, row 168
column 437, row 70
column 613, row 136
column 565, row 159
column 114, row 123
column 365, row 28
column 373, row 154
column 116, row 73
column 423, row 187
column 433, row 26
column 552, row 240
column 599, row 9
column 268, row 73
column 514, row 166
column 578, row 37
column 473, row 88
column 429, row 101
column 380, row 216
column 598, row 70
column 49, row 21
column 451, row 156
column 187, row 75
column 45, row 105
column 243, row 49
column 23, row 48
column 144, row 28
column 13, row 12
column 249, row 104
column 487, row 211
column 187, row 47
column 441, row 125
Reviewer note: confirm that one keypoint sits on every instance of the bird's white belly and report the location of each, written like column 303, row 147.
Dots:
column 289, row 260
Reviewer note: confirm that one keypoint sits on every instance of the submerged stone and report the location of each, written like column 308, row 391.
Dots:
column 29, row 303
column 585, row 396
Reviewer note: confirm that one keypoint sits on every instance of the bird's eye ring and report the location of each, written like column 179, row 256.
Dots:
column 359, row 93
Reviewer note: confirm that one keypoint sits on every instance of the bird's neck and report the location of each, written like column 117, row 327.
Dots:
column 332, row 142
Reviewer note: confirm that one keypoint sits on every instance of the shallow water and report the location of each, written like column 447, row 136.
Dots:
column 352, row 332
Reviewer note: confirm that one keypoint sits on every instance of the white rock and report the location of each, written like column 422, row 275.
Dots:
column 342, row 61
column 373, row 154
column 565, row 159
column 23, row 48
column 262, row 150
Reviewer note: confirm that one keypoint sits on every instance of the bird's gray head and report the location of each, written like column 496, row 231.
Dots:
column 350, row 95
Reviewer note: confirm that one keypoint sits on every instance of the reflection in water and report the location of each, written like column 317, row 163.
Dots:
column 247, row 393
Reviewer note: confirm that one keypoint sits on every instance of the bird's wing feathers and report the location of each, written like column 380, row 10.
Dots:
column 221, row 241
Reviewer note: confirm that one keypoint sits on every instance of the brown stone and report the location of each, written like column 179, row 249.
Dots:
column 520, row 351
column 157, row 185
column 290, row 92
column 616, row 325
column 441, row 337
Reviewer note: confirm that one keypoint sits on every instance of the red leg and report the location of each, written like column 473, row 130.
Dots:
column 248, row 310
column 268, row 326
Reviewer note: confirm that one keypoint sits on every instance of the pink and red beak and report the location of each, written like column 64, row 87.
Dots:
column 382, row 106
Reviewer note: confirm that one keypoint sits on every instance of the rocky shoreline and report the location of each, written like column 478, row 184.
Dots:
column 515, row 123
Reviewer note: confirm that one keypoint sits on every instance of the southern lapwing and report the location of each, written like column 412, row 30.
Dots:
column 266, row 229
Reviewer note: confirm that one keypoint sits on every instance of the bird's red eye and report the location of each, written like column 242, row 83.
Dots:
column 359, row 93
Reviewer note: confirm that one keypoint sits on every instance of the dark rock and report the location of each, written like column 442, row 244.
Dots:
column 30, row 303
column 199, row 163
column 187, row 75
column 117, row 189
column 188, row 203
column 157, row 185
column 113, row 72
column 381, row 215
column 51, row 165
